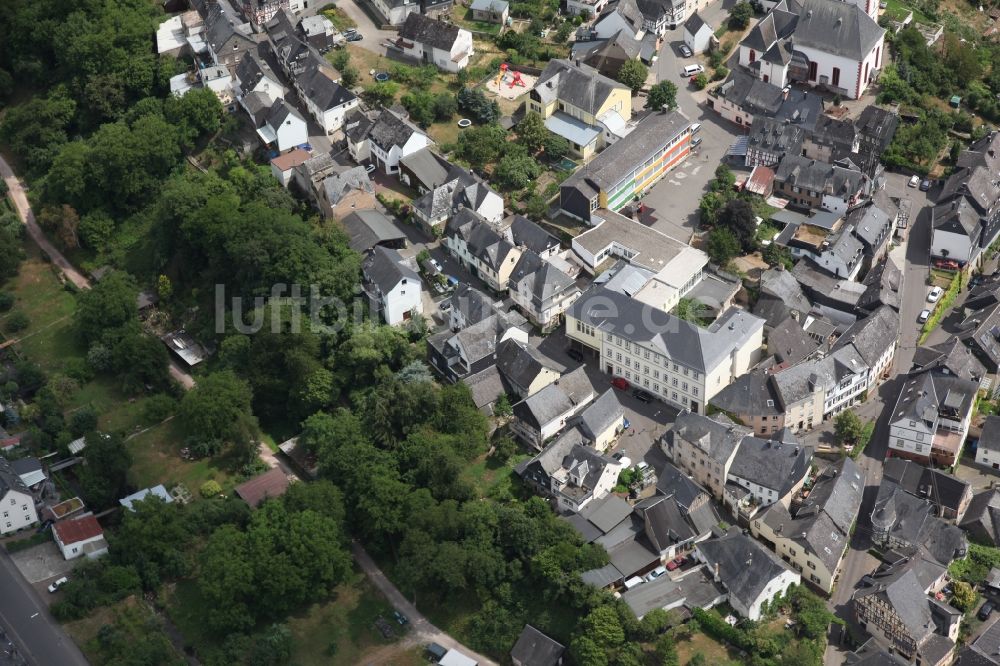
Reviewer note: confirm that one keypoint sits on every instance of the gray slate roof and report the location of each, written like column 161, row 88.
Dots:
column 555, row 399
column 951, row 357
column 873, row 335
column 580, row 85
column 982, row 518
column 523, row 232
column 368, row 228
column 390, row 130
column 746, row 567
column 672, row 482
column 601, row 414
column 716, row 435
column 533, row 648
column 385, row 268
column 425, row 30
column 519, row 363
column 819, row 176
column 340, row 185
column 539, row 278
column 789, row 342
column 752, row 393
column 699, row 348
column 9, row 479
column 771, row 464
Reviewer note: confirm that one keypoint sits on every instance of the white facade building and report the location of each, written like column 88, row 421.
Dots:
column 17, row 505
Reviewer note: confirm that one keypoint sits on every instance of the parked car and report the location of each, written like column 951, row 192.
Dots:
column 620, row 383
column 402, row 619
column 444, row 306
column 924, row 316
column 643, row 467
column 642, row 396
column 623, row 459
column 437, row 264
column 655, row 573
column 672, row 565
column 369, row 168
column 58, row 583
column 695, row 128
column 685, row 50
column 914, row 181
column 925, row 185
column 575, row 354
column 948, row 264
column 985, row 611
column 934, row 295
column 355, row 37
column 695, row 142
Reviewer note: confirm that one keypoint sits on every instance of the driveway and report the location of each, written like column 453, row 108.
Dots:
column 42, row 562
column 373, row 37
column 423, row 631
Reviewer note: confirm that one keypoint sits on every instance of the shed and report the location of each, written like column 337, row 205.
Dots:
column 272, row 483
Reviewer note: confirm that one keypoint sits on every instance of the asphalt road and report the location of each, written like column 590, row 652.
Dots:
column 857, row 561
column 28, row 621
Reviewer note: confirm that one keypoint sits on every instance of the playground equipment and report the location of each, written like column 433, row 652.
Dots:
column 501, row 75
column 516, row 81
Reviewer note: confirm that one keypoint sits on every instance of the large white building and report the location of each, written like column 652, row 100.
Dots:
column 675, row 360
column 829, row 43
column 931, row 418
column 17, row 505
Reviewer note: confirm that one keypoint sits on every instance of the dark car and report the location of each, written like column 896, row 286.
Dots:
column 355, row 37
column 642, row 396
column 402, row 619
column 985, row 611
column 925, row 185
column 685, row 50
column 575, row 354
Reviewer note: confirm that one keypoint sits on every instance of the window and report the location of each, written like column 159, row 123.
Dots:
column 675, row 369
column 685, row 372
column 836, row 76
column 814, row 578
column 656, row 387
column 791, row 551
column 684, row 386
column 674, row 382
column 810, row 564
column 636, row 367
column 645, row 369
column 618, row 357
column 656, row 374
column 753, row 55
column 24, row 507
column 813, row 70
column 645, row 382
column 673, row 395
column 694, row 390
column 628, row 375
column 899, row 442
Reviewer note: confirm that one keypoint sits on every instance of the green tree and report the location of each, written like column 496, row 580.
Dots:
column 666, row 651
column 217, row 410
column 700, row 81
column 604, row 627
column 474, row 102
column 738, row 217
column 349, row 76
column 740, row 15
column 482, row 145
column 662, row 94
column 722, row 246
column 847, row 427
column 692, row 310
column 633, row 74
column 104, row 475
column 532, row 132
column 445, row 106
column 586, row 651
column 111, row 303
column 964, row 596
column 516, row 171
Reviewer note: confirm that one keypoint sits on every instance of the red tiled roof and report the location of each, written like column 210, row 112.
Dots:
column 290, row 159
column 77, row 529
column 272, row 483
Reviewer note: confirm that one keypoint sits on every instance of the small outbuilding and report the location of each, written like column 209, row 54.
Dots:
column 697, row 34
column 272, row 483
column 533, row 648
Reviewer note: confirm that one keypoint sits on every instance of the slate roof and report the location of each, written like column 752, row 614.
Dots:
column 555, row 399
column 486, row 386
column 716, row 435
column 873, row 335
column 745, row 566
column 368, row 228
column 951, row 357
column 672, row 482
column 474, row 305
column 990, row 437
column 611, row 52
column 530, row 235
column 10, row 480
column 975, row 178
column 789, row 342
column 607, row 512
column 766, row 100
column 430, row 167
column 694, row 23
column 337, row 186
column 838, row 28
column 422, row 29
column 519, row 363
column 871, row 225
column 982, row 518
column 752, row 393
column 695, row 590
column 390, row 130
column 771, row 464
column 385, row 268
column 906, row 595
column 664, row 523
column 699, row 348
column 319, row 85
column 923, row 396
column 780, row 295
column 773, row 136
column 982, row 334
column 601, row 414
column 819, row 176
column 602, row 577
column 251, row 69
column 579, row 85
column 533, row 648
column 882, row 284
column 939, row 487
column 539, row 278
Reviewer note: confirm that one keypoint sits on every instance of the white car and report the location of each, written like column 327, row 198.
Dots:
column 924, row 316
column 914, row 181
column 58, row 583
column 437, row 264
column 935, row 294
column 695, row 128
column 655, row 573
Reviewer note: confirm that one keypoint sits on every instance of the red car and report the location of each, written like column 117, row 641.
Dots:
column 620, row 383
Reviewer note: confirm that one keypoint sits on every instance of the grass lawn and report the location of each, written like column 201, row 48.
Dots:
column 463, row 17
column 340, row 20
column 897, row 10
column 715, row 653
column 130, row 615
column 490, row 478
column 337, row 632
column 49, row 338
column 444, row 133
column 156, row 459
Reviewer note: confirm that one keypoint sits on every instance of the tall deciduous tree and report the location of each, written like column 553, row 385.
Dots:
column 633, row 74
column 218, row 409
column 662, row 94
column 104, row 476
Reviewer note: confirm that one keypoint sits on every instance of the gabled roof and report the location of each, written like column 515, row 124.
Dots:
column 579, row 85
column 76, row 530
column 789, row 342
column 982, row 518
column 716, row 435
column 695, row 23
column 949, row 357
column 819, row 176
column 339, row 185
column 672, row 482
column 873, row 335
column 519, row 363
column 745, row 566
column 943, row 489
column 385, row 268
column 600, row 415
column 752, row 393
column 431, row 168
column 425, row 30
column 319, row 84
column 533, row 648
column 368, row 228
column 272, row 483
column 539, row 278
column 390, row 130
column 530, row 235
column 838, row 28
column 10, row 479
column 771, row 464
column 556, row 399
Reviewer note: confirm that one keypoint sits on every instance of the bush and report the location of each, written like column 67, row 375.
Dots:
column 6, row 301
column 210, row 489
column 700, row 81
column 16, row 322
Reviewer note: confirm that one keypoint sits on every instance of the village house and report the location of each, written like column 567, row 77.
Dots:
column 470, row 346
column 807, row 183
column 698, row 34
column 346, row 192
column 16, row 501
column 931, row 418
column 384, row 140
column 541, row 290
column 770, row 141
column 741, row 98
column 393, row 287
column 490, row 11
column 80, row 536
column 765, row 472
column 368, row 228
column 533, row 648
column 436, row 42
column 813, row 534
column 544, row 414
column 479, row 248
column 525, row 370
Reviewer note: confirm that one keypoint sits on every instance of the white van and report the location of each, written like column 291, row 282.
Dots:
column 632, row 582
column 691, row 70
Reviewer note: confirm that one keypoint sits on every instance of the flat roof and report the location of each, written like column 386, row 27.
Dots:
column 571, row 129
column 654, row 249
